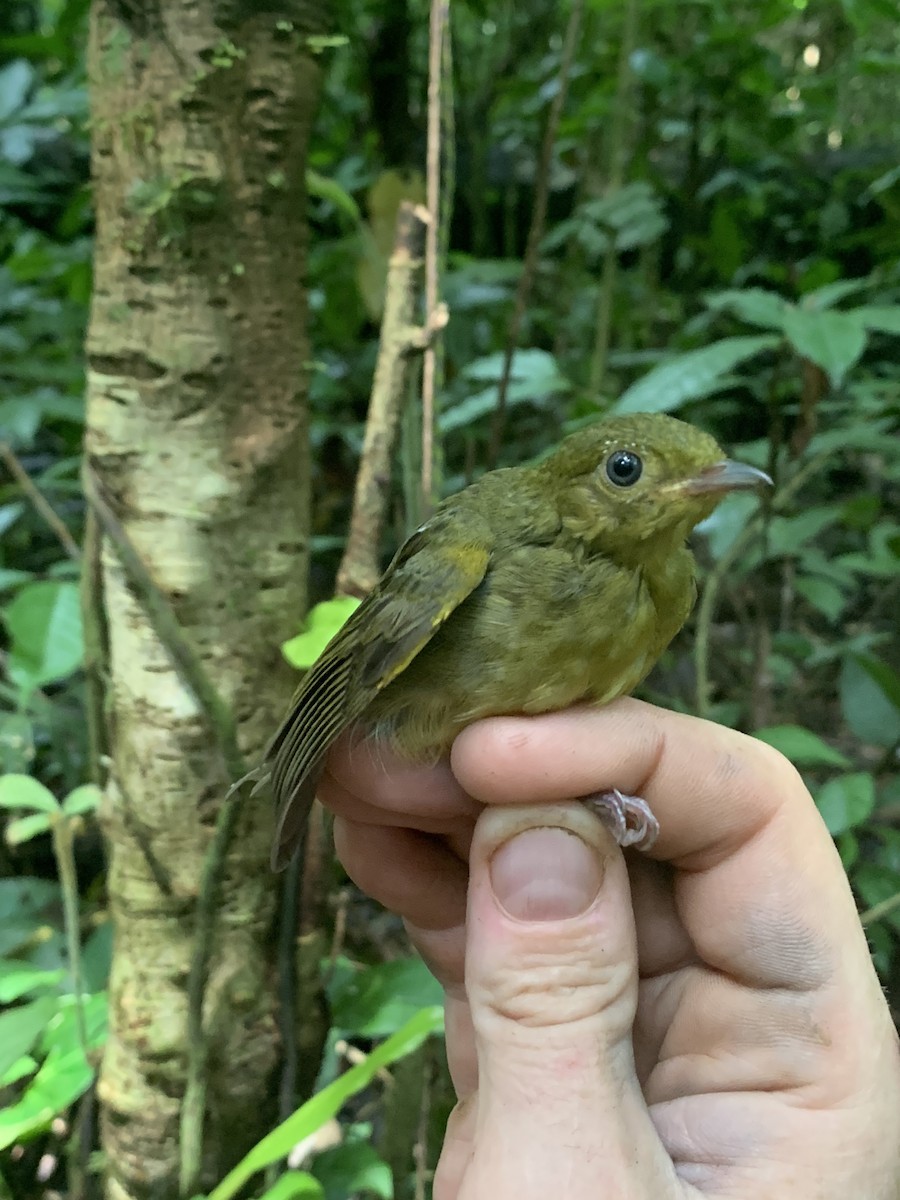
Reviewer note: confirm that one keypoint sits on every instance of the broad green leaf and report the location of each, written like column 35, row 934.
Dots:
column 23, row 829
column 786, row 536
column 20, row 1028
column 690, row 375
column 379, row 999
column 20, row 1069
column 846, row 801
column 834, row 341
column 18, row 979
column 536, row 368
column 327, row 1103
column 295, row 1183
column 83, row 799
column 329, row 190
column 868, row 709
column 322, row 623
column 829, row 294
column 23, row 791
column 63, row 1077
column 353, row 1169
column 803, row 747
column 756, row 306
column 884, row 318
column 822, row 595
column 44, row 622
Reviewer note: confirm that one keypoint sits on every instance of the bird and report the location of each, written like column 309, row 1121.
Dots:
column 535, row 588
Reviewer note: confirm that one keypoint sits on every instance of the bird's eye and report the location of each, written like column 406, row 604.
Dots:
column 623, row 468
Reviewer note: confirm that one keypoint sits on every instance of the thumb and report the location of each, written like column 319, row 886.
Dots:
column 551, row 980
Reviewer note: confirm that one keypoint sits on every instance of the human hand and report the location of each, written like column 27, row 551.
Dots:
column 703, row 1020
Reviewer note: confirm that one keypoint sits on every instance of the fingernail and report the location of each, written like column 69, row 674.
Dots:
column 546, row 874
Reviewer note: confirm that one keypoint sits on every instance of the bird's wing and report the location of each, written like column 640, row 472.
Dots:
column 431, row 575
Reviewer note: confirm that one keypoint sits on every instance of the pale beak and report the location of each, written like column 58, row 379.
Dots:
column 726, row 476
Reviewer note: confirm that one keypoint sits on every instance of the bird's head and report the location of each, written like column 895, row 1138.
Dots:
column 639, row 483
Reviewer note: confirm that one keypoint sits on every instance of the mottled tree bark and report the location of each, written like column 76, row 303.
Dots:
column 197, row 438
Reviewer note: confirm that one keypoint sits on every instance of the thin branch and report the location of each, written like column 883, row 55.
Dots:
column 360, row 566
column 879, row 911
column 720, row 571
column 536, row 231
column 39, row 501
column 437, row 30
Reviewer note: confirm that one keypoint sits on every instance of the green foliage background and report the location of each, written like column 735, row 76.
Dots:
column 723, row 241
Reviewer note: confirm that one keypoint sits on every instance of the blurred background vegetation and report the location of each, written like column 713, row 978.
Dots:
column 722, row 241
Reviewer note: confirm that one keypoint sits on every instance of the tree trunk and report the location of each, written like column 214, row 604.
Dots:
column 197, row 443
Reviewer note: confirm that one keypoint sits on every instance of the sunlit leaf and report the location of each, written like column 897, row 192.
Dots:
column 379, row 999
column 20, row 1028
column 294, row 1183
column 884, row 318
column 83, row 799
column 23, row 791
column 327, row 1103
column 322, row 623
column 18, row 979
column 23, row 829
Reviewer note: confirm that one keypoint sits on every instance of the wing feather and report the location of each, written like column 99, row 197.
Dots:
column 431, row 575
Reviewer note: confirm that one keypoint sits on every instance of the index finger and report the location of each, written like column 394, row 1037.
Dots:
column 759, row 885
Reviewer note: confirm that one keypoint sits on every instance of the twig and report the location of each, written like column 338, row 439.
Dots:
column 39, row 501
column 717, row 575
column 879, row 911
column 536, row 230
column 360, row 565
column 61, row 835
column 437, row 30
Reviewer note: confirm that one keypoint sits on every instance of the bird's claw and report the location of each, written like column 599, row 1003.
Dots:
column 628, row 818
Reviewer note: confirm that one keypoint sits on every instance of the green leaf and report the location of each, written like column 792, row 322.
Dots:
column 322, row 623
column 833, row 293
column 867, row 707
column 23, row 791
column 21, row 1069
column 63, row 1077
column 381, row 998
column 823, row 595
column 690, row 375
column 21, row 1027
column 83, row 799
column 44, row 622
column 328, row 1103
column 803, row 747
column 756, row 306
column 23, row 829
column 353, row 1169
column 846, row 801
column 329, row 190
column 834, row 341
column 295, row 1183
column 787, row 536
column 18, row 979
column 884, row 318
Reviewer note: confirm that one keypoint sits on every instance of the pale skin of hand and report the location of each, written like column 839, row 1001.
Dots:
column 704, row 1021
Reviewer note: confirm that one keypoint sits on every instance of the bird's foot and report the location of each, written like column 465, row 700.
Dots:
column 628, row 818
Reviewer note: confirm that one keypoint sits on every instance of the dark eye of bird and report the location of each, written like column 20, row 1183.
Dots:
column 623, row 468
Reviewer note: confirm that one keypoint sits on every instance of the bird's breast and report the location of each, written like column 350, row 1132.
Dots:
column 543, row 632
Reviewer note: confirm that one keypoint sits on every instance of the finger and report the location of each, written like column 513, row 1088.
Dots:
column 369, row 770
column 414, row 875
column 551, row 979
column 759, row 888
column 420, row 813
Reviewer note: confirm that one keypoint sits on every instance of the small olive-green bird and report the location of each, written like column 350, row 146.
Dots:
column 535, row 588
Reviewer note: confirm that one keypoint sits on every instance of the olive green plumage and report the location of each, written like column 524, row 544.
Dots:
column 533, row 589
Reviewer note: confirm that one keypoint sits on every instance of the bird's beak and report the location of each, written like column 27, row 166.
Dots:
column 726, row 476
